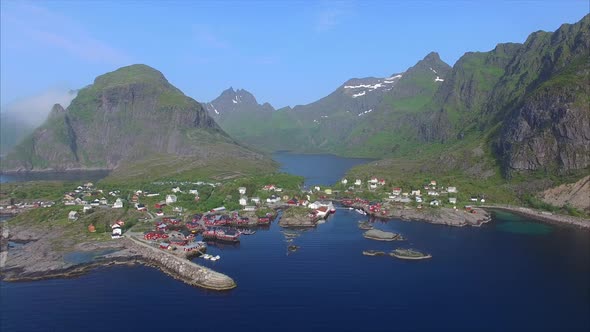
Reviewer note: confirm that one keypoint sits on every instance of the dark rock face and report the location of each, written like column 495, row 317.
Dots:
column 549, row 132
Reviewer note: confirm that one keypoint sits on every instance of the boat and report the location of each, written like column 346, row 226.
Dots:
column 206, row 256
column 248, row 232
column 213, row 259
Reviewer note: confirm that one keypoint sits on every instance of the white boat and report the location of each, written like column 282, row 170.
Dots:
column 207, row 256
column 213, row 259
column 217, row 257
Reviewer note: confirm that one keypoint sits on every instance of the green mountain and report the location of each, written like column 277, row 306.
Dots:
column 519, row 112
column 135, row 122
column 517, row 108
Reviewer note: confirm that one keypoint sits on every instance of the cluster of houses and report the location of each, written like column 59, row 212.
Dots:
column 89, row 197
column 373, row 183
column 430, row 194
column 10, row 207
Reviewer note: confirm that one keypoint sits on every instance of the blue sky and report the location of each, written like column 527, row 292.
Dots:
column 286, row 53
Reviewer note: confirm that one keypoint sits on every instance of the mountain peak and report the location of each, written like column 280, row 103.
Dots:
column 432, row 56
column 131, row 74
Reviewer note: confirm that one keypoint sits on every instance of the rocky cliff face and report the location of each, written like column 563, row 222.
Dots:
column 550, row 131
column 543, row 102
column 127, row 115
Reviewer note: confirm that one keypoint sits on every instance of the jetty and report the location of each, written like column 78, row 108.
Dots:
column 182, row 269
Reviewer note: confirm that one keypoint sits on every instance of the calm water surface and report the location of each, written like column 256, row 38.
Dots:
column 318, row 169
column 510, row 275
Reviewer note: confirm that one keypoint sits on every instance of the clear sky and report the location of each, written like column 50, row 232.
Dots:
column 286, row 53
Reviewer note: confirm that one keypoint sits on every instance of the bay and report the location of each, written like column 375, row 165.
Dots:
column 479, row 279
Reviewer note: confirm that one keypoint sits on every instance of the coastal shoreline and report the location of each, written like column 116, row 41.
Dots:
column 36, row 260
column 542, row 216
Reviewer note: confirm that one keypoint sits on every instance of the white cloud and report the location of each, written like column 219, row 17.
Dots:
column 34, row 109
column 30, row 24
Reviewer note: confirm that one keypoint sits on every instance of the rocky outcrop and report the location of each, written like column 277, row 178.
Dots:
column 575, row 194
column 550, row 132
column 379, row 235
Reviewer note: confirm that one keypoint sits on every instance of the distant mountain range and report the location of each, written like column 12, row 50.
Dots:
column 524, row 105
column 517, row 108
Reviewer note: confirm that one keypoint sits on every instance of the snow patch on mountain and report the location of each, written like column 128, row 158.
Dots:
column 362, row 93
column 365, row 112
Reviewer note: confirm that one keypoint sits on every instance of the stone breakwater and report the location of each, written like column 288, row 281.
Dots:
column 183, row 269
column 38, row 258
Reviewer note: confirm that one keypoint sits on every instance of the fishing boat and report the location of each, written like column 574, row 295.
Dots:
column 247, row 232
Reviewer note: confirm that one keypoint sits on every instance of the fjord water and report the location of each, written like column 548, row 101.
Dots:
column 317, row 169
column 512, row 274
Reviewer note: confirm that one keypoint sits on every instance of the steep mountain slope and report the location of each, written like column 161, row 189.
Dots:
column 544, row 102
column 124, row 117
column 520, row 110
column 343, row 122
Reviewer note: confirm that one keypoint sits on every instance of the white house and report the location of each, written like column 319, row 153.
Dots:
column 170, row 199
column 249, row 208
column 373, row 185
column 453, row 200
column 73, row 215
column 482, row 200
column 194, row 192
column 242, row 190
column 243, row 201
column 116, row 231
column 118, row 204
column 418, row 199
column 103, row 201
column 374, row 181
column 86, row 208
column 434, row 203
column 273, row 199
column 473, row 199
column 317, row 188
column 396, row 191
column 452, row 190
column 255, row 200
column 344, row 181
column 176, row 190
column 358, row 182
column 277, row 189
column 95, row 202
column 433, row 183
column 415, row 193
column 433, row 193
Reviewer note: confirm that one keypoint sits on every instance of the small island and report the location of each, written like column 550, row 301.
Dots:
column 409, row 254
column 379, row 235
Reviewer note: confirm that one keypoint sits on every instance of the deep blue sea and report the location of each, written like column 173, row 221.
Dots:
column 512, row 274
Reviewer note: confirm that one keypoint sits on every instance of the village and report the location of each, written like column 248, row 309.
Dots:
column 183, row 217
